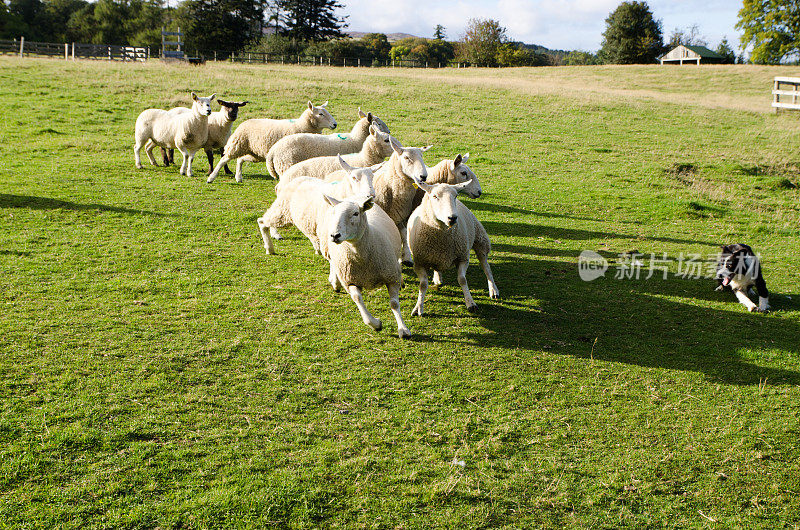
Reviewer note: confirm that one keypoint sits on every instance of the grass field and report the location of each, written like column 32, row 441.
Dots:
column 159, row 370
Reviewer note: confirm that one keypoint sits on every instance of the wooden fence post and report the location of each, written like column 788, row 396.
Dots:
column 73, row 51
column 21, row 47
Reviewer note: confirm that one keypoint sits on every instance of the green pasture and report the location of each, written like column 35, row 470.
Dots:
column 158, row 369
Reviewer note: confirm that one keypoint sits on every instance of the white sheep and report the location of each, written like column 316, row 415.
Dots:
column 374, row 150
column 295, row 148
column 300, row 202
column 186, row 132
column 395, row 188
column 219, row 130
column 252, row 140
column 364, row 248
column 453, row 171
column 441, row 232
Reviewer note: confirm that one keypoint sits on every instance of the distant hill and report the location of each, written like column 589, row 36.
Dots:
column 392, row 37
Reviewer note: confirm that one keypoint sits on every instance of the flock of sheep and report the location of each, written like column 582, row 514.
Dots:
column 365, row 215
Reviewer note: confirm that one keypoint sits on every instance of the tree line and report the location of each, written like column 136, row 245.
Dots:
column 313, row 27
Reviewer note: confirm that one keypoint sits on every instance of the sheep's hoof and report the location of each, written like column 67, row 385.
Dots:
column 209, row 180
column 139, row 166
column 404, row 334
column 472, row 308
column 239, row 180
column 228, row 171
column 380, row 326
column 416, row 311
column 408, row 263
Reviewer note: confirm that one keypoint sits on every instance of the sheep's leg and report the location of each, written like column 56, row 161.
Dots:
column 394, row 303
column 366, row 316
column 437, row 278
column 239, row 163
column 422, row 274
column 137, row 148
column 487, row 270
column 408, row 260
column 186, row 164
column 462, row 281
column 148, row 149
column 262, row 227
column 210, row 155
column 333, row 279
column 165, row 156
column 227, row 169
column 222, row 161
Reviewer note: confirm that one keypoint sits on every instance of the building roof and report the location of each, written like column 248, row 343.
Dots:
column 702, row 51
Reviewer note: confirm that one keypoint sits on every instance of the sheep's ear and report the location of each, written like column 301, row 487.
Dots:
column 347, row 167
column 460, row 187
column 194, row 96
column 456, row 162
column 396, row 147
column 423, row 149
column 361, row 113
column 465, row 158
column 369, row 117
column 373, row 131
column 224, row 103
column 212, row 96
column 243, row 103
column 424, row 186
column 367, row 203
column 310, row 105
column 324, row 104
column 330, row 200
column 376, row 167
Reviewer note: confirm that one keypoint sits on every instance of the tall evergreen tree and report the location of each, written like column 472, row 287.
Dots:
column 632, row 35
column 438, row 32
column 225, row 25
column 313, row 20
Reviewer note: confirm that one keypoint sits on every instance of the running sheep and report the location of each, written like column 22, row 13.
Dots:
column 219, row 130
column 295, row 148
column 375, row 149
column 441, row 232
column 364, row 248
column 252, row 140
column 185, row 131
column 300, row 202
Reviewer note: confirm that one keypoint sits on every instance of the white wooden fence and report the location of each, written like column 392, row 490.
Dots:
column 779, row 89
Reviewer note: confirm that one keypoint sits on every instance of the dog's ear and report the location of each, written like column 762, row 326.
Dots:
column 738, row 248
column 726, row 249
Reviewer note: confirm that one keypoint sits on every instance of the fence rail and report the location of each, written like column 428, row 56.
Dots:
column 251, row 57
column 109, row 52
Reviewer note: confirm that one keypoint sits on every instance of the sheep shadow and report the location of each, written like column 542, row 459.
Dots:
column 626, row 321
column 523, row 229
column 45, row 203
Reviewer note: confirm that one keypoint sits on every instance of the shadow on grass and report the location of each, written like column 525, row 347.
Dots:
column 46, row 203
column 522, row 229
column 482, row 205
column 18, row 253
column 630, row 321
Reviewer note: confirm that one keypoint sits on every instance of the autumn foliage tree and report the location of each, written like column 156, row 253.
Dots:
column 772, row 27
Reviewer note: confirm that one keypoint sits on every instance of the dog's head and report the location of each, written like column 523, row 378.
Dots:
column 732, row 261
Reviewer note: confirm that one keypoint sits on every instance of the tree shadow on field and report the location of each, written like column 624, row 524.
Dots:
column 482, row 205
column 522, row 229
column 46, row 203
column 629, row 320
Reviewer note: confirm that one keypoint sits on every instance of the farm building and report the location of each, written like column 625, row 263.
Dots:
column 691, row 54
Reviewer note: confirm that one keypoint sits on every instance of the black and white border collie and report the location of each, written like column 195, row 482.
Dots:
column 740, row 269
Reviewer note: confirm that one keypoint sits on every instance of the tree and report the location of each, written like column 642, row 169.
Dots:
column 726, row 51
column 438, row 32
column 313, row 20
column 687, row 37
column 481, row 42
column 225, row 25
column 632, row 35
column 515, row 54
column 772, row 27
column 577, row 58
column 432, row 51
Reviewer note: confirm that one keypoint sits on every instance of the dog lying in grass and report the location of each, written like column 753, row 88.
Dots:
column 740, row 269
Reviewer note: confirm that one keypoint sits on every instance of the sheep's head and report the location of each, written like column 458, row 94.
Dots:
column 347, row 221
column 359, row 178
column 320, row 117
column 442, row 201
column 381, row 141
column 202, row 106
column 231, row 108
column 374, row 120
column 460, row 172
column 410, row 159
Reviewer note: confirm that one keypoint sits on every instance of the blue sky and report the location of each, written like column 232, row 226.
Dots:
column 559, row 24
